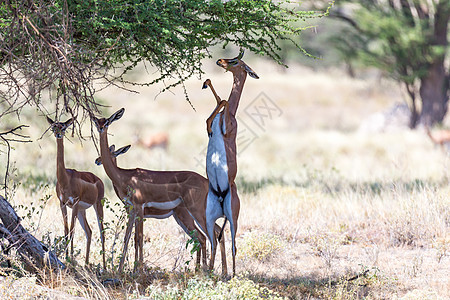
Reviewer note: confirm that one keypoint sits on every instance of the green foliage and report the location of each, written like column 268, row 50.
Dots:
column 398, row 39
column 115, row 228
column 174, row 35
column 65, row 45
column 407, row 41
column 195, row 245
column 403, row 51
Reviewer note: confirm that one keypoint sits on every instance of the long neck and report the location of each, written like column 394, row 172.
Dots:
column 109, row 165
column 61, row 173
column 238, row 85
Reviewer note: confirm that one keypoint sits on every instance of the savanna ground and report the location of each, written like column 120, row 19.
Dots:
column 327, row 211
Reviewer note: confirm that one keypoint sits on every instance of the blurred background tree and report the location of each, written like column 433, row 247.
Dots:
column 63, row 46
column 406, row 40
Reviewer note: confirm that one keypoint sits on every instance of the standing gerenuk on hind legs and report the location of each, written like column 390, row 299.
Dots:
column 221, row 163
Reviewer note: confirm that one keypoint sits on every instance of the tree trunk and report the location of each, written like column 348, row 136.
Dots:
column 434, row 85
column 34, row 254
column 433, row 92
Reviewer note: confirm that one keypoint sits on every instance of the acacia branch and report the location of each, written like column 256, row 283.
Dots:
column 337, row 14
column 64, row 46
column 8, row 140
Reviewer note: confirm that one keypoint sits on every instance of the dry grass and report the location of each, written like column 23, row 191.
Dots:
column 320, row 201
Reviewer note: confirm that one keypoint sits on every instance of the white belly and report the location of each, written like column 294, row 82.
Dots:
column 84, row 205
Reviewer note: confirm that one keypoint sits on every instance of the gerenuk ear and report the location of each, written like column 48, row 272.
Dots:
column 50, row 121
column 115, row 116
column 251, row 72
column 69, row 122
column 122, row 150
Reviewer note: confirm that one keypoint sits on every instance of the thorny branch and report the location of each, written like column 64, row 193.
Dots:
column 37, row 54
column 7, row 137
column 53, row 51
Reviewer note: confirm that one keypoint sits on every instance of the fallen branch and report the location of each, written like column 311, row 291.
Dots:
column 33, row 253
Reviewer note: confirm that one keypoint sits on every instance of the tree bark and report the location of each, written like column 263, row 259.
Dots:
column 435, row 85
column 434, row 95
column 34, row 254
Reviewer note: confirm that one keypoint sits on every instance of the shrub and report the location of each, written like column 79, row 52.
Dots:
column 260, row 246
column 206, row 288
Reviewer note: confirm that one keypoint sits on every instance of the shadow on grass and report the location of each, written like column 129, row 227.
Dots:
column 34, row 181
column 356, row 286
column 297, row 287
column 332, row 185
